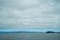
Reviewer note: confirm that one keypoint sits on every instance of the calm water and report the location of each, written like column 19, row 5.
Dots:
column 29, row 36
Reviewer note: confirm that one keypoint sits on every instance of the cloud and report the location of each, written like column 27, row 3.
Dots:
column 29, row 13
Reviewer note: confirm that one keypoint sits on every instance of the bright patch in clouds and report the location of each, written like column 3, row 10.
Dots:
column 29, row 14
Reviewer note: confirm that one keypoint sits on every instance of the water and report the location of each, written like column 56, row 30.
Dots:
column 29, row 36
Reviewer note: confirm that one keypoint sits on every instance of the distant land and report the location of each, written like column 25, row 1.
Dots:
column 27, row 32
column 21, row 32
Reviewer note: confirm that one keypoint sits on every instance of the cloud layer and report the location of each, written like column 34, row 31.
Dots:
column 29, row 14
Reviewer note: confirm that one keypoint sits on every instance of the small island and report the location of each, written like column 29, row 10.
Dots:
column 50, row 32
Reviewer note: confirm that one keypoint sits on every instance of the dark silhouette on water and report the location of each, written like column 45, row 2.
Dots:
column 50, row 32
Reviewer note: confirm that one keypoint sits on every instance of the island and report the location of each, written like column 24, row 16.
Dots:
column 50, row 32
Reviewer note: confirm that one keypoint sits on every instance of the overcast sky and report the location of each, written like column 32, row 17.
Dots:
column 30, row 14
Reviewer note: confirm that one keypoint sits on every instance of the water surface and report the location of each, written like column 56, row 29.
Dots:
column 29, row 36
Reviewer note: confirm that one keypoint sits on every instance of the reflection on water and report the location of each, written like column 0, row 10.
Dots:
column 29, row 36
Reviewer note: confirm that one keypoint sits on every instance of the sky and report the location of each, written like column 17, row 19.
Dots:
column 30, row 14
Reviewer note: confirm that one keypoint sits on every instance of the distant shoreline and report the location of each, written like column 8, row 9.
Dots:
column 25, row 32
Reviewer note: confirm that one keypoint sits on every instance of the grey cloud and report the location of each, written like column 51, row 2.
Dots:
column 26, row 13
